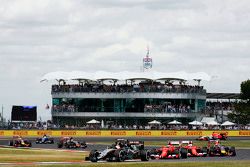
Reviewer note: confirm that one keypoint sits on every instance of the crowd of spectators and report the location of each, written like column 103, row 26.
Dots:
column 47, row 125
column 167, row 108
column 210, row 105
column 142, row 87
column 31, row 125
column 163, row 108
column 65, row 108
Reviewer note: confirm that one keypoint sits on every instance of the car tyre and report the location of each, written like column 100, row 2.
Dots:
column 11, row 143
column 204, row 151
column 119, row 155
column 145, row 155
column 59, row 145
column 93, row 156
column 232, row 151
column 211, row 151
column 184, row 153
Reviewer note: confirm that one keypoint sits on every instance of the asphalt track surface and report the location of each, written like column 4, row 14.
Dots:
column 242, row 154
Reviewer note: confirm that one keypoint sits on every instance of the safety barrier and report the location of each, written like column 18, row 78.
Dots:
column 121, row 133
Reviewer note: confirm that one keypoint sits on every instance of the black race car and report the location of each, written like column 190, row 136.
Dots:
column 18, row 141
column 120, row 151
column 45, row 140
column 68, row 142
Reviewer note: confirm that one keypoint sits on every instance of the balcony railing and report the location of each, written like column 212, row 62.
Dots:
column 127, row 89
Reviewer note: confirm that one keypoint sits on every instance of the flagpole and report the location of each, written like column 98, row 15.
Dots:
column 2, row 113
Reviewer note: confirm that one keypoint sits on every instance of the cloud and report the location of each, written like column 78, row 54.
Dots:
column 41, row 36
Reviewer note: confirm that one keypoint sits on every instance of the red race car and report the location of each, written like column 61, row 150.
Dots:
column 194, row 151
column 214, row 136
column 172, row 150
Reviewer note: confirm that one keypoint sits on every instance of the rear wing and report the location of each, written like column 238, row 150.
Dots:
column 212, row 142
column 136, row 142
column 16, row 136
column 186, row 142
column 174, row 142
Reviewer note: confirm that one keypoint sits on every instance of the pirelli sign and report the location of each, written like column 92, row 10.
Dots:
column 244, row 133
column 194, row 133
column 118, row 133
column 168, row 133
column 1, row 133
column 41, row 133
column 143, row 133
column 68, row 133
column 20, row 133
column 93, row 133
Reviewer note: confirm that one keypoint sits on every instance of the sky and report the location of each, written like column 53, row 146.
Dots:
column 41, row 36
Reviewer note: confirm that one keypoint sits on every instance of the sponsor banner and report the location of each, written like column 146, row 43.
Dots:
column 193, row 133
column 143, row 133
column 93, row 133
column 44, row 132
column 118, row 133
column 20, row 133
column 168, row 133
column 122, row 133
column 1, row 133
column 244, row 133
column 68, row 133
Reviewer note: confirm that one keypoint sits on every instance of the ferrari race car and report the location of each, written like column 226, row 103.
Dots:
column 194, row 151
column 45, row 140
column 68, row 142
column 216, row 149
column 174, row 149
column 18, row 141
column 120, row 151
column 214, row 136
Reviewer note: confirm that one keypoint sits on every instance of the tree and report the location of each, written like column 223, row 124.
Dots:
column 241, row 113
column 245, row 90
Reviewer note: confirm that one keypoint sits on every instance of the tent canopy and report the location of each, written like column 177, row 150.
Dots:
column 212, row 123
column 124, row 75
column 227, row 123
column 93, row 121
column 154, row 122
column 207, row 119
column 174, row 122
column 195, row 123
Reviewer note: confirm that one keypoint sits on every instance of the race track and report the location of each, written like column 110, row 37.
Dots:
column 242, row 154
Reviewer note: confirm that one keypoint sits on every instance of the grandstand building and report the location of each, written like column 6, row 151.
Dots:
column 126, row 98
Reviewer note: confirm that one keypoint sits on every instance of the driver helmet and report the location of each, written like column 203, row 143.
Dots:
column 217, row 142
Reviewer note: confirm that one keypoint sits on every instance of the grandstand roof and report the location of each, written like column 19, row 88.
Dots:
column 223, row 95
column 124, row 75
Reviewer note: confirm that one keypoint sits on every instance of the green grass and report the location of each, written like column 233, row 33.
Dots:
column 30, row 155
column 162, row 164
